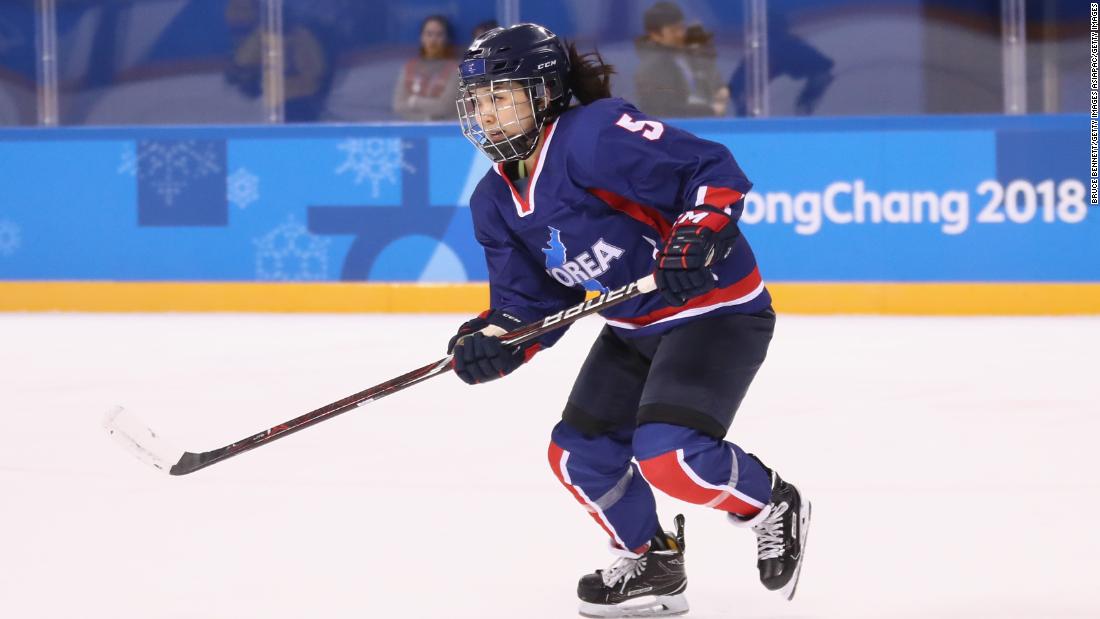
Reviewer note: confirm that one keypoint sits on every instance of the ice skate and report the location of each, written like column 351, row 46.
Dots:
column 781, row 530
column 649, row 585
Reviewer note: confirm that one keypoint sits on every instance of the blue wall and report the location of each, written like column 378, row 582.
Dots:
column 883, row 199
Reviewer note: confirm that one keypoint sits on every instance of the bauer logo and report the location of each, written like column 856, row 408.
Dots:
column 590, row 304
column 585, row 268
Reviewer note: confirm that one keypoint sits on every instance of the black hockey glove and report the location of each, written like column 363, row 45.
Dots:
column 479, row 358
column 469, row 327
column 700, row 237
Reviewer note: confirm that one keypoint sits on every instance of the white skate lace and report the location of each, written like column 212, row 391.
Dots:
column 624, row 568
column 769, row 534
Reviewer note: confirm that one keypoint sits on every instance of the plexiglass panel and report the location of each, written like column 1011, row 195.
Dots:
column 346, row 60
column 210, row 61
column 864, row 57
column 961, row 57
column 671, row 59
column 18, row 63
column 160, row 61
column 1057, row 56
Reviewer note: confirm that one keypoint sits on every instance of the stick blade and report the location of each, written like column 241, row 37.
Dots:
column 140, row 440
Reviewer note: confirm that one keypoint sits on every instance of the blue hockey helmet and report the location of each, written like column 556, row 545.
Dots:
column 512, row 81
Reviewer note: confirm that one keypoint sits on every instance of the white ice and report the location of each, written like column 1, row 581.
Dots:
column 952, row 464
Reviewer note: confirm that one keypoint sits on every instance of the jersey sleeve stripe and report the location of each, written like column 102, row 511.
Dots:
column 716, row 196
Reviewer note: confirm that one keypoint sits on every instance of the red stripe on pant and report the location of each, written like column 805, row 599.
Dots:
column 665, row 473
column 554, row 454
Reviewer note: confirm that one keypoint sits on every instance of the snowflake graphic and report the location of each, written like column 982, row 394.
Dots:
column 9, row 237
column 377, row 159
column 291, row 253
column 242, row 188
column 169, row 166
column 129, row 163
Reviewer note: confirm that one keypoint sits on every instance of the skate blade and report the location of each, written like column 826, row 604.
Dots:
column 647, row 606
column 788, row 590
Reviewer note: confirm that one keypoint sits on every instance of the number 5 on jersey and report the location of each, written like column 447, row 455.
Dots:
column 651, row 129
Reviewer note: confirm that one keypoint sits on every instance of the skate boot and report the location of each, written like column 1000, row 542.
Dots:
column 781, row 529
column 647, row 585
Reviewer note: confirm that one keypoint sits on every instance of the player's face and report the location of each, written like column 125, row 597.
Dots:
column 504, row 111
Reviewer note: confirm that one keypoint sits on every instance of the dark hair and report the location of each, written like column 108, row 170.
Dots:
column 484, row 27
column 448, row 30
column 660, row 15
column 589, row 76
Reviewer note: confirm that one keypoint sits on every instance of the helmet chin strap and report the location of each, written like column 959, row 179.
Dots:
column 525, row 144
column 529, row 142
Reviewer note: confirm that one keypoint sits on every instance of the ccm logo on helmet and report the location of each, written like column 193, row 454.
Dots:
column 546, row 64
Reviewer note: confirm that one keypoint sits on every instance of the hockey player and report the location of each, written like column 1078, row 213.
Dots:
column 583, row 198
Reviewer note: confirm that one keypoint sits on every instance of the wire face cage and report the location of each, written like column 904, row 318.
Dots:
column 503, row 118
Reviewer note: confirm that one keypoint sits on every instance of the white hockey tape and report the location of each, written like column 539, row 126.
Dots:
column 140, row 440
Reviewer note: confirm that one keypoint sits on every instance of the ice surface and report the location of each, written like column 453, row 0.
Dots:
column 952, row 464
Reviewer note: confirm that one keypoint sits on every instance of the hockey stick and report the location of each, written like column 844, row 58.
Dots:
column 144, row 443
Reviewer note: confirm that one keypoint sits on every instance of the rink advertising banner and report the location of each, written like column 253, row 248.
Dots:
column 857, row 214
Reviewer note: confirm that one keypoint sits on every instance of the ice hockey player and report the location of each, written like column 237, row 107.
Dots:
column 587, row 197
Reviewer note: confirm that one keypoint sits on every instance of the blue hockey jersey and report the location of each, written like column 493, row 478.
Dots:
column 607, row 186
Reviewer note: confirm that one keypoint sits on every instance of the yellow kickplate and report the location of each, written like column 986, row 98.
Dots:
column 790, row 298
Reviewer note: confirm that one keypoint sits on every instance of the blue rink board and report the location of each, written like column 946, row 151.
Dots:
column 976, row 198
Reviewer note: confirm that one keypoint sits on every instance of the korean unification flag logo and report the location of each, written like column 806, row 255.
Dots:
column 471, row 68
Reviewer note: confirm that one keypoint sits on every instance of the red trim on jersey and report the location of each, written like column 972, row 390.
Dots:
column 667, row 473
column 530, row 351
column 524, row 206
column 524, row 201
column 719, row 295
column 645, row 214
column 719, row 196
column 715, row 222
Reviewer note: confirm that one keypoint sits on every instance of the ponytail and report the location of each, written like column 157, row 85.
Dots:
column 589, row 76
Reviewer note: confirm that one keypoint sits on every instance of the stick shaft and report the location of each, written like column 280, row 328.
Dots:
column 191, row 462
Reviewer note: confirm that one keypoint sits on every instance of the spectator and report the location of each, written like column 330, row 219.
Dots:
column 307, row 64
column 677, row 74
column 428, row 84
